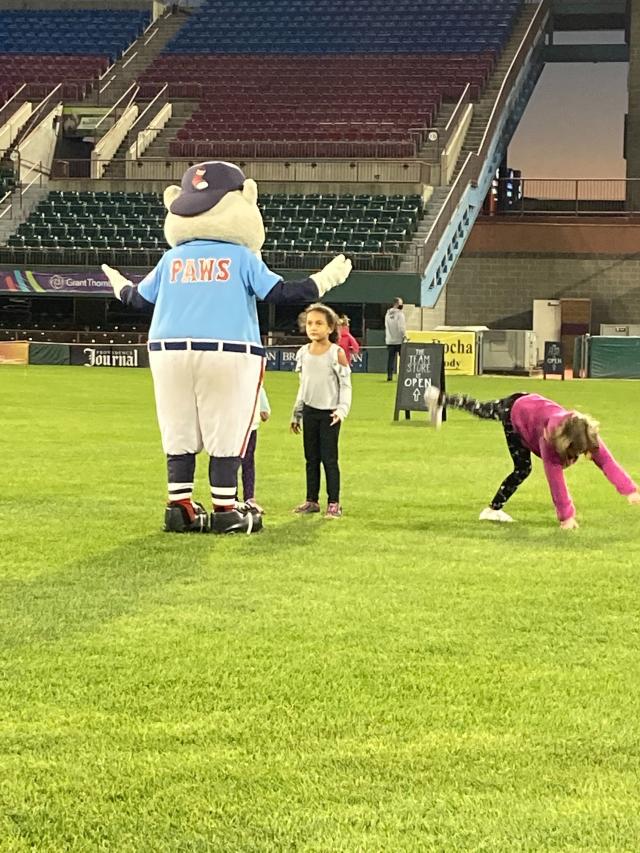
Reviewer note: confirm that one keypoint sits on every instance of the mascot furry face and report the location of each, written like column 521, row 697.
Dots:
column 214, row 202
column 205, row 349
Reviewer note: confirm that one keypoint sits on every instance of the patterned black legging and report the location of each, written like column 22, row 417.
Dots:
column 499, row 410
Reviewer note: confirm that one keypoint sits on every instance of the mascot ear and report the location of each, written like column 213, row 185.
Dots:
column 250, row 191
column 170, row 195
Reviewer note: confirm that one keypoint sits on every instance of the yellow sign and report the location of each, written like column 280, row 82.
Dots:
column 459, row 349
column 14, row 352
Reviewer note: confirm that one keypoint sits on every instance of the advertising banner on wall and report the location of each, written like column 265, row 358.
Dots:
column 94, row 355
column 288, row 358
column 459, row 349
column 284, row 358
column 94, row 283
column 359, row 362
column 272, row 357
column 14, row 352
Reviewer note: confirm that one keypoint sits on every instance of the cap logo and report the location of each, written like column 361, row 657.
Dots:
column 197, row 181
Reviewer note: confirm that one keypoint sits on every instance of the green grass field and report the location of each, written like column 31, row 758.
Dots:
column 405, row 679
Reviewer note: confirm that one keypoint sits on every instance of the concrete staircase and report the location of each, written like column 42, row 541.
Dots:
column 481, row 113
column 181, row 112
column 139, row 57
column 407, row 265
column 482, row 110
column 127, row 70
column 430, row 151
column 21, row 209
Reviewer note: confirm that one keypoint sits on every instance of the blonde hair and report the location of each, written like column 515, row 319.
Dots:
column 330, row 316
column 576, row 435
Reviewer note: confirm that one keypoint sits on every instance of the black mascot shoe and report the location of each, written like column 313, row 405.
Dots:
column 238, row 520
column 178, row 520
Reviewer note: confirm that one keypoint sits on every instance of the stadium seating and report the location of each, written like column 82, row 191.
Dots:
column 345, row 26
column 328, row 78
column 73, row 47
column 373, row 228
column 266, row 106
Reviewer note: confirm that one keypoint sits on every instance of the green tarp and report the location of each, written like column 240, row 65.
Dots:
column 614, row 358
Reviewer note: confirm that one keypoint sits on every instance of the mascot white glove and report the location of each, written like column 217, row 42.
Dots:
column 116, row 279
column 336, row 272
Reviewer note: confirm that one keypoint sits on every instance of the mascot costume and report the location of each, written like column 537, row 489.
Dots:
column 205, row 351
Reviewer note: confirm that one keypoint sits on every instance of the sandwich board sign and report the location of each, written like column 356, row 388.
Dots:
column 553, row 363
column 421, row 365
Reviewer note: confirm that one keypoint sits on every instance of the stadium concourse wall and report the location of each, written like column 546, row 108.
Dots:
column 365, row 287
column 508, row 262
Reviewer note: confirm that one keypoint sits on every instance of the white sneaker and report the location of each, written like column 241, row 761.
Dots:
column 489, row 514
column 434, row 406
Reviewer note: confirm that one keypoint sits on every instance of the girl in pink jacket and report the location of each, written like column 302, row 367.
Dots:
column 534, row 424
column 346, row 340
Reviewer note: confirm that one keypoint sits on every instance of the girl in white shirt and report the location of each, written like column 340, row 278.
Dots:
column 323, row 402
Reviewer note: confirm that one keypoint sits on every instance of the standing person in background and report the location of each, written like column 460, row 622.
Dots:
column 323, row 402
column 395, row 330
column 346, row 340
column 248, row 464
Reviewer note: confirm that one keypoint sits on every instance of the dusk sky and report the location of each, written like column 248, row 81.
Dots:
column 573, row 124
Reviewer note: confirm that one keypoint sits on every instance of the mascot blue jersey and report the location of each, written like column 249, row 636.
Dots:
column 207, row 290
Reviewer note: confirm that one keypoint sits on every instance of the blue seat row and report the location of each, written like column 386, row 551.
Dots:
column 71, row 32
column 346, row 26
column 314, row 45
column 32, row 17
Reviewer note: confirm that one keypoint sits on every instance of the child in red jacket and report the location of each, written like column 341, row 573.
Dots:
column 346, row 340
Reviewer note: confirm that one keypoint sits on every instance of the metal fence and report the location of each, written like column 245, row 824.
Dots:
column 568, row 196
column 385, row 260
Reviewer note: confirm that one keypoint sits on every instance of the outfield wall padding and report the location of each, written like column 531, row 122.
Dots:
column 377, row 357
column 48, row 354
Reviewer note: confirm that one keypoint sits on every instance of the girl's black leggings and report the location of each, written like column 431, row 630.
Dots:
column 499, row 410
column 320, row 441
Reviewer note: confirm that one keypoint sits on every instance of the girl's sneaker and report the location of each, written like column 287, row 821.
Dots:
column 333, row 511
column 307, row 508
column 490, row 514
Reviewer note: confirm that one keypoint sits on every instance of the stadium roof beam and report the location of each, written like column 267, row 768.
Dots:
column 589, row 15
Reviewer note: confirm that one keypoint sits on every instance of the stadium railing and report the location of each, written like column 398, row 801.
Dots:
column 570, row 196
column 470, row 172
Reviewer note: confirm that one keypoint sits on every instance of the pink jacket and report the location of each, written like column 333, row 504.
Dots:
column 531, row 415
column 348, row 343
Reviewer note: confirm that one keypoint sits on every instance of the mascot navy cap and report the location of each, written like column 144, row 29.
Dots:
column 204, row 184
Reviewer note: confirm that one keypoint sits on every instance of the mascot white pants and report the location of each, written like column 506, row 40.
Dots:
column 205, row 400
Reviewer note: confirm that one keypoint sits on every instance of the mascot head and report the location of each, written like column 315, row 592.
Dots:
column 214, row 202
